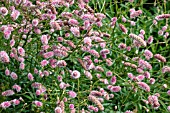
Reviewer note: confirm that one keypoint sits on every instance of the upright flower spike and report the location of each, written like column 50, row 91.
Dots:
column 144, row 86
column 96, row 101
column 139, row 39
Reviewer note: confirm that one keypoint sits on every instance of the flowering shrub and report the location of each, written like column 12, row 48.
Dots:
column 60, row 56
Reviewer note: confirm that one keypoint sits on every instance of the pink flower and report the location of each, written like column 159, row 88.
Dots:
column 38, row 92
column 144, row 86
column 140, row 77
column 75, row 74
column 163, row 16
column 115, row 88
column 71, row 106
column 30, row 77
column 94, row 53
column 7, row 72
column 150, row 40
column 122, row 46
column 38, row 103
column 22, row 66
column 146, row 74
column 16, row 102
column 123, row 19
column 160, row 57
column 73, row 22
column 148, row 54
column 58, row 110
column 132, row 23
column 123, row 28
column 36, row 85
column 168, row 92
column 8, row 93
column 72, row 94
column 5, row 104
column 60, row 39
column 14, row 76
column 88, row 75
column 15, row 14
column 3, row 11
column 21, row 51
column 128, row 111
column 75, row 31
column 130, row 75
column 35, row 22
column 166, row 69
column 44, row 63
column 108, row 73
column 153, row 100
column 55, row 25
column 16, row 87
column 4, row 58
column 61, row 63
column 168, row 108
column 44, row 39
column 113, row 80
column 152, row 80
column 87, row 41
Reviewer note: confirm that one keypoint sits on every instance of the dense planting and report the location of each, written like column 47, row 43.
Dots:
column 82, row 56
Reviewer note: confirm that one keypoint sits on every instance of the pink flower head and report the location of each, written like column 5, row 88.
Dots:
column 166, row 69
column 4, row 58
column 75, row 74
column 72, row 94
column 44, row 39
column 30, row 77
column 14, row 76
column 5, row 104
column 60, row 39
column 35, row 22
column 152, row 80
column 3, row 11
column 8, row 93
column 123, row 19
column 87, row 41
column 38, row 103
column 144, row 86
column 113, row 80
column 122, row 46
column 15, row 14
column 75, row 31
column 22, row 66
column 88, row 75
column 21, row 51
column 71, row 106
column 148, row 54
column 108, row 73
column 168, row 92
column 16, row 101
column 130, row 75
column 73, row 22
column 55, row 25
column 140, row 77
column 168, row 108
column 146, row 74
column 61, row 63
column 44, row 63
column 115, row 89
column 16, row 87
column 160, row 57
column 48, row 54
column 142, row 32
column 123, row 28
column 7, row 72
column 58, row 110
